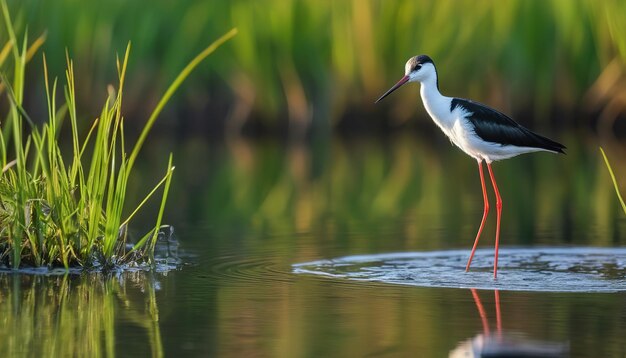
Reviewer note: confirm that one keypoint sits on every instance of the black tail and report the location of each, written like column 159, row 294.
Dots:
column 546, row 143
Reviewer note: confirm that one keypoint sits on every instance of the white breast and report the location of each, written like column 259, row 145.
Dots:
column 461, row 133
column 453, row 124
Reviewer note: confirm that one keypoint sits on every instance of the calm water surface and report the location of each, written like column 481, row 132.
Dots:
column 246, row 211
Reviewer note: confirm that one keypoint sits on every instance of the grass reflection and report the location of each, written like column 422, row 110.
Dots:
column 333, row 318
column 68, row 316
column 373, row 186
column 252, row 208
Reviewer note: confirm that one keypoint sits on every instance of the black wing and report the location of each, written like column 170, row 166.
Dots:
column 493, row 126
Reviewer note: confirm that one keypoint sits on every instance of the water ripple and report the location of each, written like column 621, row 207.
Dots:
column 234, row 268
column 549, row 269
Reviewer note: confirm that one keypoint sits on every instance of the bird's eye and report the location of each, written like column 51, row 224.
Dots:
column 417, row 67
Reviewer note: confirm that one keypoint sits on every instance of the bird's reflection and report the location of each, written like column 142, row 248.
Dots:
column 503, row 343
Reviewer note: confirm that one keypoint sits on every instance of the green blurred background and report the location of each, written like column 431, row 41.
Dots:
column 249, row 206
column 313, row 69
column 311, row 64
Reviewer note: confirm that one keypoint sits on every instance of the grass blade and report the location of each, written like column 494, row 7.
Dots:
column 172, row 88
column 619, row 196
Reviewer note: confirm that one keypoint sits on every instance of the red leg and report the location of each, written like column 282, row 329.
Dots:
column 485, row 212
column 481, row 312
column 499, row 208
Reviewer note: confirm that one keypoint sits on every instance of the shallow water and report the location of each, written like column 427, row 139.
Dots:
column 253, row 210
column 542, row 269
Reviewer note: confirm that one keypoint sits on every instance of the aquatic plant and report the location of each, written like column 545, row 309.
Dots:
column 59, row 208
column 608, row 166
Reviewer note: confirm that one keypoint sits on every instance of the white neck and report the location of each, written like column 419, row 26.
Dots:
column 436, row 104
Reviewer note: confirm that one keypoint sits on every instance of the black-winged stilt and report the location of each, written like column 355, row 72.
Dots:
column 482, row 132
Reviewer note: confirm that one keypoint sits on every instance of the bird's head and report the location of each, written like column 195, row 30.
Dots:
column 417, row 69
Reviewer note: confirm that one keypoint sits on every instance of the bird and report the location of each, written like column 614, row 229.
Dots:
column 483, row 133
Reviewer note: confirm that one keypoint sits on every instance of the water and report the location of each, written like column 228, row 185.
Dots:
column 254, row 209
column 543, row 269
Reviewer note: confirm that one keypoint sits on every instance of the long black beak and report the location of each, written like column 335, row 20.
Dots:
column 402, row 81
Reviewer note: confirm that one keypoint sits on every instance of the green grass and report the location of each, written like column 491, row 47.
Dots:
column 608, row 166
column 337, row 56
column 67, row 209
